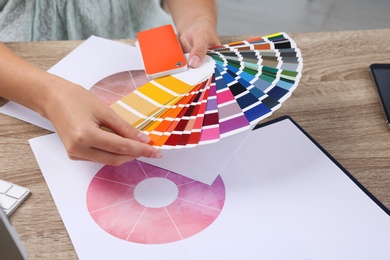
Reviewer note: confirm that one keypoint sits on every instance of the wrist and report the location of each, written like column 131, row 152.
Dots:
column 52, row 91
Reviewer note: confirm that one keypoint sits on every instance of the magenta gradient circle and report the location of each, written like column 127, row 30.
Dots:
column 113, row 206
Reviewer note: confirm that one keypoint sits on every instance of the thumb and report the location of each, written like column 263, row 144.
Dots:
column 198, row 51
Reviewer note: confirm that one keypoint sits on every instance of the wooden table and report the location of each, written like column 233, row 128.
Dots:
column 335, row 103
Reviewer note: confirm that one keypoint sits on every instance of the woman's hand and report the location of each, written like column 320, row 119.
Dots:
column 196, row 24
column 196, row 37
column 79, row 118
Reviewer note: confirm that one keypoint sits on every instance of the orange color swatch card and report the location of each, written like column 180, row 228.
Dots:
column 161, row 52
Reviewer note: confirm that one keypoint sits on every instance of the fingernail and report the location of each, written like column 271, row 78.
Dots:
column 194, row 61
column 157, row 155
column 143, row 137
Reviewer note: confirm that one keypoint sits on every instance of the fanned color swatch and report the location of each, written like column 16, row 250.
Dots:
column 251, row 79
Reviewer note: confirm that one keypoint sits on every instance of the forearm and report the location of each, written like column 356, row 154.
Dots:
column 24, row 83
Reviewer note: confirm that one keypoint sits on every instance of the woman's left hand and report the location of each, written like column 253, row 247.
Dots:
column 196, row 24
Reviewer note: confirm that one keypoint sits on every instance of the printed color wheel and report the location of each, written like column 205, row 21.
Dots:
column 141, row 203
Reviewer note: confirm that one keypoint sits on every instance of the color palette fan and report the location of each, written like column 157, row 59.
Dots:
column 250, row 80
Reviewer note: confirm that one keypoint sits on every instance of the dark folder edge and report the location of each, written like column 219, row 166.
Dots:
column 368, row 193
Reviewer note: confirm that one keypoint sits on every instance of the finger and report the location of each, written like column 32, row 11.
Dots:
column 111, row 143
column 103, row 156
column 185, row 44
column 123, row 146
column 99, row 156
column 119, row 126
column 198, row 50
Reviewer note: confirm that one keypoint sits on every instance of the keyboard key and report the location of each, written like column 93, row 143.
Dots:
column 16, row 192
column 11, row 196
column 4, row 186
column 7, row 202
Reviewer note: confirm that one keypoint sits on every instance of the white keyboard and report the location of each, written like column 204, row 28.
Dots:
column 11, row 196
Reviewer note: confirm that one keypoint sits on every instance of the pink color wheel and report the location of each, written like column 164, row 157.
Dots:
column 141, row 203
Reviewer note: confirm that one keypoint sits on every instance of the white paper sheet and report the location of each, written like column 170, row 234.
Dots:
column 247, row 228
column 203, row 162
column 335, row 218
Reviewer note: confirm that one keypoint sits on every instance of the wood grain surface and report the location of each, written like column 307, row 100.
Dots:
column 335, row 103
